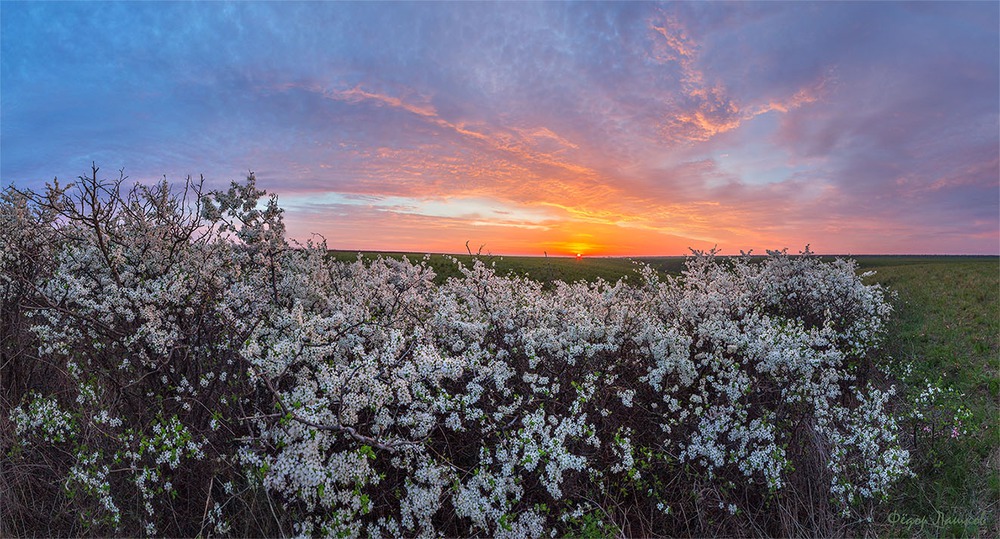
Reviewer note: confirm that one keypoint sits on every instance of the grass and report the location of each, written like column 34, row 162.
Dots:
column 946, row 326
column 544, row 269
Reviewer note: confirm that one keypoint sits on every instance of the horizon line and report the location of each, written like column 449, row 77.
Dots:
column 569, row 256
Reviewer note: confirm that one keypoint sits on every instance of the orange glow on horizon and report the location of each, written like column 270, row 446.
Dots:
column 368, row 229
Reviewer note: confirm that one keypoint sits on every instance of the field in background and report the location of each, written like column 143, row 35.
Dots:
column 946, row 325
column 544, row 269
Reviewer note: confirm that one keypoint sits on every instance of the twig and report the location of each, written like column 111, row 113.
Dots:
column 208, row 499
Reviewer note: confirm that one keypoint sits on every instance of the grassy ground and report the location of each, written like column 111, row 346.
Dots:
column 544, row 269
column 946, row 327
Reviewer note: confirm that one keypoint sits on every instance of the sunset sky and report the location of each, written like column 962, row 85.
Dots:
column 593, row 128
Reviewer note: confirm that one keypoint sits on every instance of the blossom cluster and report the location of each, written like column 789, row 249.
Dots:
column 201, row 363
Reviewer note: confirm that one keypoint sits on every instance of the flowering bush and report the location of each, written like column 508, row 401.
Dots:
column 173, row 366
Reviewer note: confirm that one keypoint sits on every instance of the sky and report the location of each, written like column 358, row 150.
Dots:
column 532, row 128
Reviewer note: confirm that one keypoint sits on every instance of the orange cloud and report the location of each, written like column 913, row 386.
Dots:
column 357, row 94
column 676, row 45
column 534, row 167
column 711, row 111
column 520, row 142
column 381, row 230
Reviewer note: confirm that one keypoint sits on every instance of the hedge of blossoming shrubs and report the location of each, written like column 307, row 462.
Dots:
column 171, row 366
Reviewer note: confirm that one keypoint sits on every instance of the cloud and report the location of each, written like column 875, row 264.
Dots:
column 750, row 125
column 707, row 108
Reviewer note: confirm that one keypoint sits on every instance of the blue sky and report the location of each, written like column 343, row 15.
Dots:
column 603, row 128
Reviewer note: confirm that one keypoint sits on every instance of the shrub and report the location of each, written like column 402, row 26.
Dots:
column 173, row 366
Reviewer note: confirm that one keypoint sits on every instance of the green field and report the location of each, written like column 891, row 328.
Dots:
column 544, row 269
column 946, row 326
